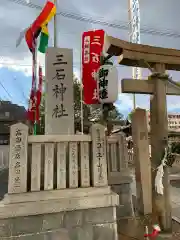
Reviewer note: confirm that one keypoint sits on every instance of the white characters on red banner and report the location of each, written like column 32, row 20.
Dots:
column 95, row 58
column 92, row 46
column 87, row 49
column 96, row 40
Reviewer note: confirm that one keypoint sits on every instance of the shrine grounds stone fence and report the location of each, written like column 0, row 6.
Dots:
column 58, row 186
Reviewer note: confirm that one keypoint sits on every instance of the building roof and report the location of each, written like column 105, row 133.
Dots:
column 10, row 114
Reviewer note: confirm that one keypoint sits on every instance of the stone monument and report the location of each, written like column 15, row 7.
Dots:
column 59, row 98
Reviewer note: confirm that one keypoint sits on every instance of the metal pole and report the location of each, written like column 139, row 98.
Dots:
column 134, row 101
column 130, row 36
column 134, row 34
column 82, row 119
column 82, row 115
column 35, row 79
column 55, row 26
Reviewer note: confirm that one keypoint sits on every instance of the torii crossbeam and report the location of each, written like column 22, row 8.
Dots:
column 138, row 55
column 159, row 59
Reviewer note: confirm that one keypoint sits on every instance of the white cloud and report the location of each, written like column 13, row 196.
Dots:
column 25, row 66
column 173, row 103
column 14, row 18
column 17, row 65
column 124, row 102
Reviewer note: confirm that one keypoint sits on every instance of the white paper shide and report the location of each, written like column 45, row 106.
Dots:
column 107, row 85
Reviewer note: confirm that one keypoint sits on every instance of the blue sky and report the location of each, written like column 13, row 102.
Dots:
column 15, row 63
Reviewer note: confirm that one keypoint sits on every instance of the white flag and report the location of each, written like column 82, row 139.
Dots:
column 21, row 36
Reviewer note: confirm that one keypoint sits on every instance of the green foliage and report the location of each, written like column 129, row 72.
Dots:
column 115, row 115
column 41, row 127
column 175, row 147
column 130, row 115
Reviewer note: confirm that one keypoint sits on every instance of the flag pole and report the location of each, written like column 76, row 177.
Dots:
column 55, row 26
column 35, row 79
column 81, row 90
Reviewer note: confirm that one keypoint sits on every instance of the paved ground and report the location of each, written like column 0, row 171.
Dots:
column 175, row 193
column 134, row 228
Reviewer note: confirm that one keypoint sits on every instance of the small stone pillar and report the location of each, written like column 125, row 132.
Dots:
column 142, row 161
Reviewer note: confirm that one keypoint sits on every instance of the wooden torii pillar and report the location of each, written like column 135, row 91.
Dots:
column 158, row 59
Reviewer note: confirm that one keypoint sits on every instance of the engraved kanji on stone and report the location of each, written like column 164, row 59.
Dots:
column 17, row 165
column 59, row 74
column 17, row 155
column 59, row 111
column 59, row 60
column 59, row 91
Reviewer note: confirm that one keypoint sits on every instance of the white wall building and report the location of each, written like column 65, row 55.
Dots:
column 173, row 121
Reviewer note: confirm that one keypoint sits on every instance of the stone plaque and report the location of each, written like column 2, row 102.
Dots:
column 73, row 165
column 36, row 167
column 18, row 159
column 59, row 117
column 85, row 170
column 99, row 155
column 61, row 165
column 114, row 166
column 49, row 166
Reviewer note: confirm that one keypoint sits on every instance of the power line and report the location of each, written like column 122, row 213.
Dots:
column 21, row 89
column 76, row 64
column 9, row 95
column 120, row 25
column 62, row 33
column 117, row 25
column 27, row 65
column 89, row 19
column 6, row 90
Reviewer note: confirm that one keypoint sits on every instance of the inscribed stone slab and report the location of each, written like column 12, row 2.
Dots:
column 18, row 159
column 99, row 155
column 59, row 117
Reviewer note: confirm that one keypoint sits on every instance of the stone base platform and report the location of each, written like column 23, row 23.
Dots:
column 121, row 184
column 70, row 214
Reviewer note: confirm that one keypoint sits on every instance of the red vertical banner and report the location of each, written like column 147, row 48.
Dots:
column 38, row 95
column 92, row 45
column 32, row 100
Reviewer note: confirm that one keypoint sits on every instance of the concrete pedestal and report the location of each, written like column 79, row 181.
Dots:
column 83, row 214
